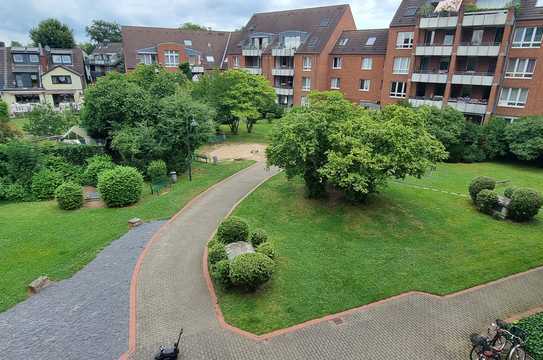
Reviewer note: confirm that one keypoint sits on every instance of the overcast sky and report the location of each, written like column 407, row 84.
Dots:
column 19, row 16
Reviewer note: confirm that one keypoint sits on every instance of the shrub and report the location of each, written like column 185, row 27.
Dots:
column 480, row 183
column 97, row 165
column 233, row 229
column 487, row 201
column 69, row 196
column 267, row 249
column 120, row 186
column 258, row 237
column 14, row 192
column 250, row 270
column 68, row 171
column 157, row 170
column 74, row 154
column 216, row 252
column 4, row 113
column 524, row 205
column 533, row 326
column 508, row 192
column 22, row 161
column 220, row 272
column 44, row 184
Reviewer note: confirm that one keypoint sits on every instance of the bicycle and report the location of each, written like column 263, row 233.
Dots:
column 506, row 340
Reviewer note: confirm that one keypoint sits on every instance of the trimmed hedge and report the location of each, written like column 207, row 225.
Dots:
column 75, row 154
column 258, row 237
column 69, row 196
column 487, row 201
column 44, row 184
column 232, row 230
column 525, row 204
column 267, row 249
column 216, row 252
column 480, row 183
column 533, row 326
column 250, row 270
column 121, row 186
column 220, row 273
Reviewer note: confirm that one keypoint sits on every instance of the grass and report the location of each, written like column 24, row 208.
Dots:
column 259, row 135
column 40, row 239
column 19, row 122
column 334, row 256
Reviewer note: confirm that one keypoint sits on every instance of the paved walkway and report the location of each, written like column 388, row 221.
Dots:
column 172, row 293
column 84, row 317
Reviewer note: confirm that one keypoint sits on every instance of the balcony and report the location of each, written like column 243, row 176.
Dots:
column 253, row 70
column 283, row 51
column 430, row 76
column 284, row 91
column 438, row 21
column 283, row 71
column 197, row 69
column 251, row 51
column 478, row 49
column 469, row 106
column 433, row 50
column 426, row 101
column 485, row 18
column 472, row 78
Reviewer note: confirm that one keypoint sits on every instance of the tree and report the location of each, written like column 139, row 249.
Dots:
column 6, row 132
column 44, row 121
column 185, row 69
column 192, row 26
column 52, row 33
column 446, row 125
column 101, row 31
column 137, row 146
column 16, row 44
column 154, row 79
column 525, row 137
column 87, row 47
column 494, row 140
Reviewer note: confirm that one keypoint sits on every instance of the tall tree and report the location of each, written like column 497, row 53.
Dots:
column 16, row 44
column 87, row 47
column 52, row 33
column 192, row 26
column 101, row 31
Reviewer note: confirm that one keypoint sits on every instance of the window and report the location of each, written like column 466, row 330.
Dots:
column 513, row 97
column 335, row 83
column 367, row 63
column 324, row 22
column 210, row 59
column 370, row 41
column 448, row 39
column 398, row 89
column 291, row 42
column 62, row 59
column 401, row 65
column 343, row 41
column 235, row 61
column 526, row 37
column 306, row 84
column 411, row 11
column 365, row 85
column 18, row 58
column 19, row 79
column 520, row 68
column 304, row 101
column 404, row 40
column 307, row 63
column 61, row 79
column 171, row 58
column 147, row 59
column 187, row 42
column 477, row 37
column 34, row 58
column 336, row 62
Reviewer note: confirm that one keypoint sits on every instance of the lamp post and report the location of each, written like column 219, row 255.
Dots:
column 190, row 126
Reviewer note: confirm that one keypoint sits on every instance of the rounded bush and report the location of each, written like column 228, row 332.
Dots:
column 267, row 249
column 69, row 196
column 250, row 270
column 120, row 186
column 97, row 165
column 157, row 170
column 220, row 273
column 216, row 252
column 524, row 205
column 44, row 184
column 480, row 183
column 233, row 229
column 508, row 192
column 487, row 201
column 258, row 237
column 14, row 192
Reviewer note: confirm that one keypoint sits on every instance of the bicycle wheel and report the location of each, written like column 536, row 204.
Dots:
column 499, row 343
column 476, row 353
column 517, row 353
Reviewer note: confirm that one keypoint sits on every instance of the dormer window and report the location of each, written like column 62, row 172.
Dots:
column 62, row 59
column 187, row 42
column 34, row 58
column 291, row 42
column 371, row 41
column 210, row 59
column 18, row 58
column 343, row 41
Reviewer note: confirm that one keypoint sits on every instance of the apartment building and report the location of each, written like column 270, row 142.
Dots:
column 36, row 75
column 291, row 49
column 105, row 58
column 203, row 50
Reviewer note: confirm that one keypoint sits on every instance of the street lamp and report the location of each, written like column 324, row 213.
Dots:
column 193, row 125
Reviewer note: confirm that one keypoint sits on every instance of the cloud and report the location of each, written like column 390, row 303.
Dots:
column 19, row 16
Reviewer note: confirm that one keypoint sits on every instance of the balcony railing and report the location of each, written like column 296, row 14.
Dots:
column 433, row 50
column 283, row 51
column 280, row 90
column 478, row 49
column 430, row 76
column 253, row 70
column 485, row 18
column 473, row 78
column 251, row 51
column 436, row 101
column 438, row 20
column 283, row 71
column 469, row 106
column 197, row 69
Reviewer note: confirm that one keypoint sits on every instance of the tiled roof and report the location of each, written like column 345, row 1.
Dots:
column 357, row 40
column 208, row 43
column 109, row 48
column 406, row 14
column 318, row 22
column 78, row 63
column 529, row 10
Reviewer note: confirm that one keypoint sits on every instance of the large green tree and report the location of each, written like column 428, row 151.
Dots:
column 52, row 33
column 101, row 31
column 525, row 137
column 445, row 124
column 45, row 121
column 158, row 82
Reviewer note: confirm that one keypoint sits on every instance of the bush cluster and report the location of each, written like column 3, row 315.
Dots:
column 216, row 252
column 44, row 184
column 157, row 170
column 251, row 270
column 480, row 183
column 69, row 196
column 487, row 201
column 533, row 326
column 12, row 192
column 96, row 166
column 120, row 186
column 220, row 272
column 232, row 230
column 258, row 237
column 267, row 249
column 524, row 205
column 508, row 192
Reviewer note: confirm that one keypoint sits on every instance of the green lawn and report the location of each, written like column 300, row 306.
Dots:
column 40, row 239
column 334, row 256
column 259, row 135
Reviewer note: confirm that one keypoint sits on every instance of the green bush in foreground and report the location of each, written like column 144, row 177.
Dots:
column 69, row 196
column 251, row 270
column 480, row 183
column 157, row 170
column 121, row 186
column 232, row 230
column 97, row 165
column 487, row 201
column 258, row 237
column 508, row 192
column 267, row 249
column 524, row 205
column 533, row 325
column 12, row 192
column 216, row 252
column 220, row 272
column 44, row 184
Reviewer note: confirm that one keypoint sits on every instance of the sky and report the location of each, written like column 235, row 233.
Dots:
column 19, row 16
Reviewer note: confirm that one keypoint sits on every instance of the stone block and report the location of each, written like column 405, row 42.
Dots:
column 134, row 222
column 38, row 285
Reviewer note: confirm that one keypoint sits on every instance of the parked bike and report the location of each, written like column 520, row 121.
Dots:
column 506, row 343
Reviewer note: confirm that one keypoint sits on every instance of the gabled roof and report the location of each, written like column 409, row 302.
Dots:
column 357, row 40
column 78, row 63
column 208, row 43
column 108, row 48
column 406, row 14
column 318, row 22
column 70, row 69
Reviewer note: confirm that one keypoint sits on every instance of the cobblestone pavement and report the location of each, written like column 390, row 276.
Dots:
column 84, row 317
column 172, row 293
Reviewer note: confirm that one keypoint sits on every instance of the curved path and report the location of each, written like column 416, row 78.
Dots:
column 169, row 291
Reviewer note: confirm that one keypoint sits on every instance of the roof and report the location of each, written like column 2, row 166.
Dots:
column 70, row 69
column 78, row 64
column 108, row 48
column 208, row 43
column 357, row 39
column 318, row 22
column 406, row 14
column 529, row 10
